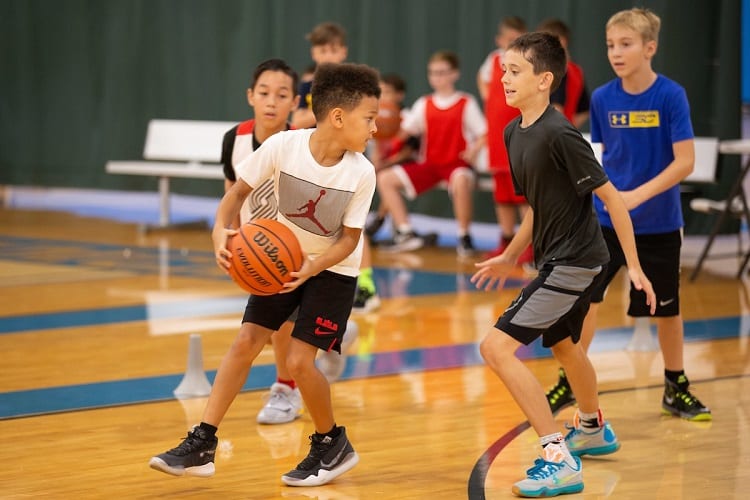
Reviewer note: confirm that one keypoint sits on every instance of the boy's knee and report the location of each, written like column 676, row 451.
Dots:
column 485, row 348
column 491, row 348
column 296, row 365
column 249, row 342
column 387, row 179
column 566, row 351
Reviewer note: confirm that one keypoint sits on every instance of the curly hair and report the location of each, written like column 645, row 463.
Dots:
column 342, row 86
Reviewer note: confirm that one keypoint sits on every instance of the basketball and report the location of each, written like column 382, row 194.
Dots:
column 388, row 120
column 264, row 253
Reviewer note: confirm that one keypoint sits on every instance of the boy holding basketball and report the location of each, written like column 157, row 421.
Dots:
column 323, row 171
column 642, row 120
column 555, row 168
column 273, row 96
column 328, row 45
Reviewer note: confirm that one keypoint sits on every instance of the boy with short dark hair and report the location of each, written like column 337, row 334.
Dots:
column 555, row 168
column 273, row 96
column 642, row 120
column 325, row 168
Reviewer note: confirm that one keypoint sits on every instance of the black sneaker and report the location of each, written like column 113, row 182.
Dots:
column 365, row 301
column 193, row 457
column 328, row 459
column 465, row 247
column 373, row 225
column 560, row 395
column 678, row 401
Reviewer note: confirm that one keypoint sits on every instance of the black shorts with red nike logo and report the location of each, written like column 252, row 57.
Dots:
column 325, row 303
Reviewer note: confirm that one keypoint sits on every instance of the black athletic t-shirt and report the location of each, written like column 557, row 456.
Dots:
column 553, row 166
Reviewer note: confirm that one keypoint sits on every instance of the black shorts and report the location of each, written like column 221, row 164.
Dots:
column 660, row 259
column 553, row 305
column 324, row 301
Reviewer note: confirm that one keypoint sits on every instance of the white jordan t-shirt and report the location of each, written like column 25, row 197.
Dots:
column 314, row 201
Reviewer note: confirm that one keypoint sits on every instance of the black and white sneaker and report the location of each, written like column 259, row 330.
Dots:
column 464, row 246
column 193, row 457
column 403, row 242
column 328, row 459
column 373, row 225
column 365, row 301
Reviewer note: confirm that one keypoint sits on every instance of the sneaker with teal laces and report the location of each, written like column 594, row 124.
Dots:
column 599, row 441
column 548, row 479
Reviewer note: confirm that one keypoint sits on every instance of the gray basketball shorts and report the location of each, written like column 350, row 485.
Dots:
column 552, row 306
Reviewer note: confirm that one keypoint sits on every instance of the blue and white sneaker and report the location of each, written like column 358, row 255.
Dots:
column 601, row 441
column 549, row 479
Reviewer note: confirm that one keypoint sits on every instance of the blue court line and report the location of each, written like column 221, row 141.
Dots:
column 48, row 400
column 419, row 283
column 123, row 314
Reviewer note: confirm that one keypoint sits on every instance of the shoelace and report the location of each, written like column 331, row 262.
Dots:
column 572, row 430
column 557, row 392
column 275, row 397
column 689, row 399
column 543, row 469
column 317, row 451
column 190, row 443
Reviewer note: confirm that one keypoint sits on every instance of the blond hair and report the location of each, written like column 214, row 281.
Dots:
column 642, row 21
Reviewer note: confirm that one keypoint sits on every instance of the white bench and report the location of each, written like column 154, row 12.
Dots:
column 706, row 154
column 177, row 148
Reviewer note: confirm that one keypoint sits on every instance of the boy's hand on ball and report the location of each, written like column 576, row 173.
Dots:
column 299, row 276
column 221, row 237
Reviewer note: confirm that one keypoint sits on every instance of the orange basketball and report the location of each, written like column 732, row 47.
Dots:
column 388, row 120
column 264, row 253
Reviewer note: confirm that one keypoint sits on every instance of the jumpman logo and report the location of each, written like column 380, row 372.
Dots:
column 309, row 212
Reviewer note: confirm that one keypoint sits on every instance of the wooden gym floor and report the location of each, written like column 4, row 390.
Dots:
column 95, row 320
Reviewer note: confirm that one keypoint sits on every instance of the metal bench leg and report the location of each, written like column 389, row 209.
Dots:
column 163, row 201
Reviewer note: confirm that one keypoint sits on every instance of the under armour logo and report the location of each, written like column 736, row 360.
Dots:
column 618, row 118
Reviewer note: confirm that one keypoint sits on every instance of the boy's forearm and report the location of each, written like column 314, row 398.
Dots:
column 523, row 236
column 228, row 209
column 625, row 234
column 342, row 248
column 681, row 167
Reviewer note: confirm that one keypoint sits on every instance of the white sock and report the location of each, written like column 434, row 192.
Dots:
column 555, row 450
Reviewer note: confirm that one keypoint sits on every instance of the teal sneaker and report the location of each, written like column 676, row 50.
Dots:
column 549, row 479
column 601, row 441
